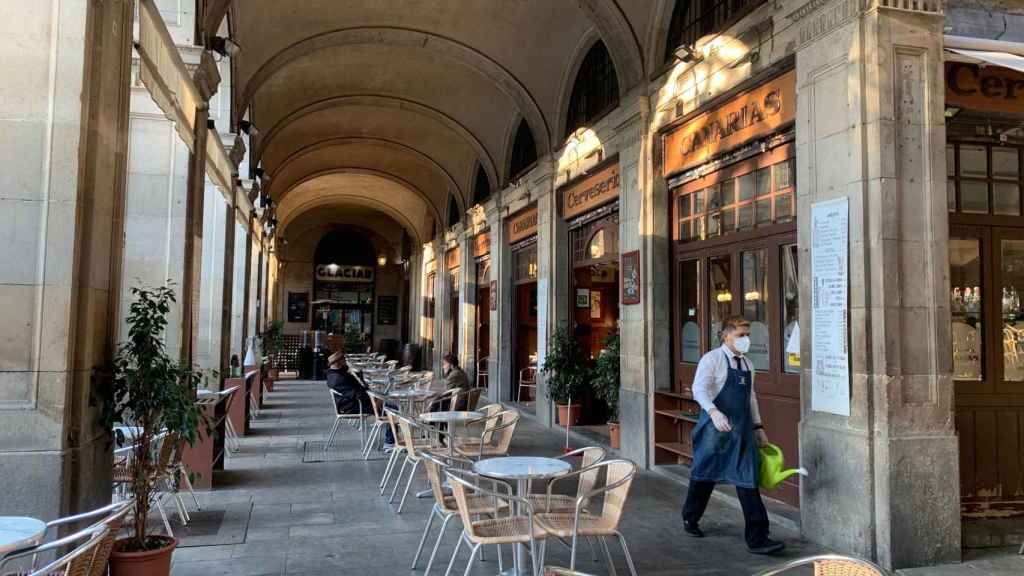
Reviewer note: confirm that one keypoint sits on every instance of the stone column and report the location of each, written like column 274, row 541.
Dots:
column 247, row 291
column 552, row 270
column 500, row 369
column 206, row 79
column 440, row 299
column 64, row 109
column 884, row 481
column 467, row 305
column 639, row 325
column 228, row 292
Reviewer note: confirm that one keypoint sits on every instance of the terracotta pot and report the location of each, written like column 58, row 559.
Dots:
column 613, row 433
column 150, row 563
column 563, row 414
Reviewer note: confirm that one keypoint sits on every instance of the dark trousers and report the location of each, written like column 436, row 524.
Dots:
column 754, row 513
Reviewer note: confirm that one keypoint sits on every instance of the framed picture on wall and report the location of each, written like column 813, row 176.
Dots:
column 494, row 295
column 630, row 278
column 298, row 306
column 583, row 297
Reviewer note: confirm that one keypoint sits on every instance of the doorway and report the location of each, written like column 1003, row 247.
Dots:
column 524, row 326
column 483, row 318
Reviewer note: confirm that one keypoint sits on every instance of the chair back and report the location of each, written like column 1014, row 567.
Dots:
column 81, row 560
column 377, row 402
column 112, row 516
column 446, row 400
column 482, row 366
column 465, row 484
column 392, row 417
column 589, row 456
column 618, row 479
column 436, row 468
column 830, row 565
column 408, row 427
column 506, row 430
column 473, row 398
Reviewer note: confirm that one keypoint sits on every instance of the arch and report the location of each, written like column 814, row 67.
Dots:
column 523, row 152
column 657, row 33
column 454, row 214
column 481, row 186
column 383, row 207
column 382, row 142
column 584, row 58
column 619, row 38
column 348, row 241
column 366, row 171
column 382, row 101
column 491, row 69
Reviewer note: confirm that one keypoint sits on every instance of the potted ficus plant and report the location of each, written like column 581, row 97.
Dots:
column 607, row 383
column 271, row 345
column 567, row 373
column 147, row 390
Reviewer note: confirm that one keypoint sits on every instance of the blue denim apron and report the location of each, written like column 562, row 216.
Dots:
column 727, row 457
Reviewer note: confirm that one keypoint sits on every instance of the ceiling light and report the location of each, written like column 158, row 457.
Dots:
column 223, row 46
column 686, row 53
column 382, row 260
column 248, row 128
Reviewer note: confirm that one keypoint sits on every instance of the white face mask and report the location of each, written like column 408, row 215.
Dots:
column 742, row 344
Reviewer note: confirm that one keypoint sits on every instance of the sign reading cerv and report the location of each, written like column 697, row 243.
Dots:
column 750, row 115
column 591, row 191
column 344, row 273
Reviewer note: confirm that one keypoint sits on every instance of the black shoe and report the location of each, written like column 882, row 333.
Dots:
column 693, row 530
column 767, row 546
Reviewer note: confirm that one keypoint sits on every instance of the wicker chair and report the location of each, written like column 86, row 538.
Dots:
column 482, row 373
column 380, row 422
column 340, row 417
column 527, row 379
column 112, row 516
column 411, row 431
column 124, row 470
column 473, row 397
column 619, row 478
column 830, row 565
column 83, row 559
column 512, row 525
column 495, row 437
column 589, row 456
column 445, row 506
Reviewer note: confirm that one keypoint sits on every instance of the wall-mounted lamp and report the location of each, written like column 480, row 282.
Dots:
column 685, row 53
column 223, row 46
column 382, row 260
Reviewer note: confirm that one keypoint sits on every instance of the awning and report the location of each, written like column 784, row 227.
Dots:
column 163, row 73
column 1002, row 59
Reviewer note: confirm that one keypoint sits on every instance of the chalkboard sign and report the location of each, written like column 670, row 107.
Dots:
column 387, row 310
column 298, row 306
column 631, row 277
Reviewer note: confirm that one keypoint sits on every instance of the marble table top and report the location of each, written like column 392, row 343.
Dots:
column 521, row 467
column 450, row 416
column 19, row 531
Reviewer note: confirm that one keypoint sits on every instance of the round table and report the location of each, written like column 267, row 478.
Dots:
column 20, row 531
column 452, row 418
column 522, row 469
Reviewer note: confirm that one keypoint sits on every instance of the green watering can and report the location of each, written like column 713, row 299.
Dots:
column 771, row 473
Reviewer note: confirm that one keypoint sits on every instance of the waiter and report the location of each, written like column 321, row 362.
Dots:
column 727, row 435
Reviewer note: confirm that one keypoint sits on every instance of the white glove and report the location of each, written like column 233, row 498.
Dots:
column 721, row 421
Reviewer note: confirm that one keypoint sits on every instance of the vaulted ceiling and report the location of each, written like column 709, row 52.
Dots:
column 392, row 104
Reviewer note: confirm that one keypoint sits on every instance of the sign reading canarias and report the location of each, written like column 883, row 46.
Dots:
column 522, row 225
column 755, row 113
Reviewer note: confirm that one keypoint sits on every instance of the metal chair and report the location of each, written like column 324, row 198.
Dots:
column 340, row 417
column 527, row 379
column 82, row 560
column 830, row 565
column 512, row 525
column 231, row 438
column 495, row 436
column 445, row 506
column 618, row 479
column 589, row 456
column 124, row 471
column 112, row 516
column 482, row 367
column 380, row 422
column 411, row 430
column 473, row 398
column 397, row 452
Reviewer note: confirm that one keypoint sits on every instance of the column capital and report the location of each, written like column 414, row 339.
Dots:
column 207, row 76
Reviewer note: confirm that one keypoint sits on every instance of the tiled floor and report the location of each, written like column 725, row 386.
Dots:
column 328, row 518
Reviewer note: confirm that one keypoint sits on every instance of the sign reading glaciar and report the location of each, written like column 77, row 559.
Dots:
column 830, row 368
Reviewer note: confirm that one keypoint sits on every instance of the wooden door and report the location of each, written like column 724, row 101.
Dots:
column 987, row 310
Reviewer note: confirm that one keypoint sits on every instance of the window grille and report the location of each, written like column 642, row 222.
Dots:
column 524, row 150
column 595, row 91
column 694, row 19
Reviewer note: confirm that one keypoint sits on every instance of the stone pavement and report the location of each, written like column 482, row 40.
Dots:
column 322, row 519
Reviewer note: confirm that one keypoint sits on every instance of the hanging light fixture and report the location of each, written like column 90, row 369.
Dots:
column 382, row 260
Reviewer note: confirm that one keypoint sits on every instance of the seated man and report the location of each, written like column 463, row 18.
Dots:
column 455, row 377
column 351, row 394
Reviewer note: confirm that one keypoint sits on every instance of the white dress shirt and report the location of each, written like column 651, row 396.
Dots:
column 713, row 371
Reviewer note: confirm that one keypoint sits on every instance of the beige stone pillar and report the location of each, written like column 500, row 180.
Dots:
column 206, row 80
column 64, row 129
column 247, row 293
column 228, row 293
column 884, row 481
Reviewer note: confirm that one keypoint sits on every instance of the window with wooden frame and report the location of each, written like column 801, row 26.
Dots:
column 982, row 178
column 595, row 91
column 524, row 264
column 596, row 240
column 694, row 19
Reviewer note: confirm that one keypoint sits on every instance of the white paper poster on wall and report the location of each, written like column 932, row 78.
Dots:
column 830, row 370
column 542, row 321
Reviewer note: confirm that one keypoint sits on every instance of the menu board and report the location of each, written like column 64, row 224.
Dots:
column 830, row 367
column 298, row 306
column 387, row 310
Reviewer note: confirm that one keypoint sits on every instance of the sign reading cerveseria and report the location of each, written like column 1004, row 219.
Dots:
column 343, row 273
column 591, row 191
column 522, row 225
column 755, row 113
column 991, row 88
